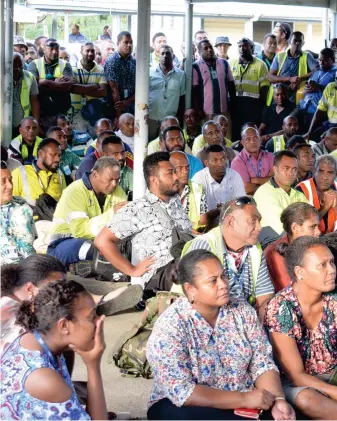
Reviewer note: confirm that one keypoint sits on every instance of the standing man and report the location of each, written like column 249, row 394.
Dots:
column 25, row 95
column 20, row 46
column 213, row 83
column 106, row 34
column 24, row 148
column 269, row 50
column 282, row 32
column 76, row 35
column 120, row 72
column 86, row 94
column 250, row 76
column 254, row 165
column 290, row 128
column 219, row 182
column 222, row 45
column 39, row 43
column 199, row 36
column 55, row 79
column 158, row 40
column 30, row 55
column 292, row 67
column 166, row 91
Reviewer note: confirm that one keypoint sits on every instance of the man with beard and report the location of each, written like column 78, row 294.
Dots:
column 166, row 91
column 30, row 55
column 55, row 79
column 252, row 85
column 172, row 139
column 279, row 143
column 39, row 43
column 148, row 222
column 24, row 148
column 25, row 95
column 77, row 141
column 86, row 93
column 282, row 32
column 219, row 182
column 42, row 176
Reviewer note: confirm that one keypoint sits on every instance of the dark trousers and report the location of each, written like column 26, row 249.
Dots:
column 166, row 410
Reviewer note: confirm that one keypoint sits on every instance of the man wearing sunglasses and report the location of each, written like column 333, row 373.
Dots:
column 55, row 79
column 235, row 243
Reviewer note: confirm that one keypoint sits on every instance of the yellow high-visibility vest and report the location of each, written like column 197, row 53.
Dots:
column 195, row 195
column 26, row 85
column 58, row 68
column 279, row 143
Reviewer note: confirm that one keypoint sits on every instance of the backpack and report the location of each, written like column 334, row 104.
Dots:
column 129, row 353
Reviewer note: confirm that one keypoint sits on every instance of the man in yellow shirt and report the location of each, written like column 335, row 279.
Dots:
column 43, row 176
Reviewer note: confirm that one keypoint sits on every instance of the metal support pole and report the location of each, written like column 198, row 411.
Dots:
column 2, row 68
column 8, row 75
column 142, row 96
column 325, row 26
column 54, row 25
column 66, row 28
column 188, row 51
column 335, row 25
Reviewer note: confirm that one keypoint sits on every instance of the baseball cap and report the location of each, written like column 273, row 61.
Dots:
column 18, row 40
column 222, row 40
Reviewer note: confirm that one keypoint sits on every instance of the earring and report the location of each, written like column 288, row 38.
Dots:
column 192, row 301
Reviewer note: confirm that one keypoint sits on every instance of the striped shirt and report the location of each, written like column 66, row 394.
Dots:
column 240, row 283
column 212, row 83
column 85, row 77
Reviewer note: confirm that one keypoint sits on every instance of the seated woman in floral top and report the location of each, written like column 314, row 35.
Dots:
column 35, row 381
column 302, row 321
column 209, row 353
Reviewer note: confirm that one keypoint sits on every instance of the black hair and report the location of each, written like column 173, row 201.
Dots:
column 296, row 140
column 203, row 41
column 295, row 252
column 4, row 154
column 269, row 36
column 214, row 149
column 285, row 28
column 171, row 129
column 52, row 40
column 328, row 53
column 297, row 213
column 330, row 240
column 35, row 269
column 151, row 163
column 46, row 142
column 76, row 25
column 61, row 117
column 113, row 139
column 106, row 27
column 247, row 125
column 279, row 155
column 53, row 129
column 280, row 86
column 31, row 45
column 299, row 33
column 299, row 147
column 158, row 34
column 53, row 302
column 201, row 31
column 104, row 133
column 88, row 43
column 187, row 268
column 123, row 34
column 37, row 39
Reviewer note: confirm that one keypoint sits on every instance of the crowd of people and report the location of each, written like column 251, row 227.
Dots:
column 238, row 223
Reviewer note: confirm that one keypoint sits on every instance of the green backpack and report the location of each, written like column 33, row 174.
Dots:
column 129, row 353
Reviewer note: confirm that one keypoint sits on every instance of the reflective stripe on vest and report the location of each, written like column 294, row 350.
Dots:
column 195, row 203
column 58, row 72
column 281, row 58
column 23, row 147
column 279, row 143
column 214, row 239
column 26, row 188
column 26, row 85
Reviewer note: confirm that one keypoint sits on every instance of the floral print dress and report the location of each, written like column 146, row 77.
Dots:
column 318, row 346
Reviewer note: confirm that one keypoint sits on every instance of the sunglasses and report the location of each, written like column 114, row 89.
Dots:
column 279, row 25
column 240, row 201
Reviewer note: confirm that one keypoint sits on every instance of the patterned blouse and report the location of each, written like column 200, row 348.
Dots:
column 317, row 347
column 9, row 330
column 17, row 364
column 184, row 350
column 17, row 231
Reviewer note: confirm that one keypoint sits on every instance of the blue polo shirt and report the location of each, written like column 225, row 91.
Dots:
column 80, row 38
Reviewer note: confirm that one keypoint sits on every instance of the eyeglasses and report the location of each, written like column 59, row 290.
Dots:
column 240, row 201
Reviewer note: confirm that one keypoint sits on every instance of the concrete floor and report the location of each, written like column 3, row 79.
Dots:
column 122, row 394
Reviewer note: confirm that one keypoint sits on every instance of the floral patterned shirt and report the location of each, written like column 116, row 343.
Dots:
column 317, row 347
column 184, row 350
column 17, row 231
column 17, row 363
column 9, row 330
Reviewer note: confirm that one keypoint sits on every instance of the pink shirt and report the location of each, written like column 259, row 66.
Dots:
column 249, row 167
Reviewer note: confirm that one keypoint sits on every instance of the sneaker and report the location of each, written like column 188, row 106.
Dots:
column 121, row 299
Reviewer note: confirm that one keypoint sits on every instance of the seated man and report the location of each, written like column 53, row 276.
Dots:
column 24, row 147
column 321, row 192
column 219, row 182
column 70, row 162
column 224, row 124
column 126, row 130
column 192, row 195
column 254, row 165
column 148, row 222
column 306, row 162
column 193, row 128
column 85, row 207
column 275, row 195
column 213, row 135
column 290, row 128
column 172, row 139
column 109, row 145
column 77, row 141
column 200, row 142
column 43, row 176
column 327, row 145
column 16, row 223
column 235, row 242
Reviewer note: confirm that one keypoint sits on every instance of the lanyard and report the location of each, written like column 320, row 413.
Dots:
column 44, row 189
column 259, row 166
column 52, row 359
column 241, row 74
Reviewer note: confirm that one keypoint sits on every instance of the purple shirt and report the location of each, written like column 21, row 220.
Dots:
column 249, row 167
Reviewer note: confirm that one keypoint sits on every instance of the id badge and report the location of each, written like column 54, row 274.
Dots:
column 126, row 93
column 12, row 252
column 214, row 74
column 84, row 101
column 66, row 170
